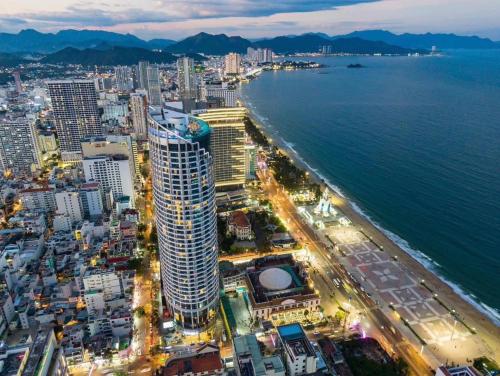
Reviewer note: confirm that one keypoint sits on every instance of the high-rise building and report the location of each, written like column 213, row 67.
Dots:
column 232, row 63
column 17, row 81
column 259, row 55
column 149, row 79
column 154, row 87
column 186, row 219
column 19, row 149
column 111, row 145
column 76, row 115
column 227, row 144
column 113, row 172
column 186, row 78
column 224, row 91
column 265, row 55
column 68, row 204
column 91, row 198
column 251, row 54
column 124, row 78
column 138, row 113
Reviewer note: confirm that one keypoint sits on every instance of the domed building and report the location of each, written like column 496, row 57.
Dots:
column 278, row 288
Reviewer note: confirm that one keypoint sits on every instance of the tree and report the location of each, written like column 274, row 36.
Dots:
column 140, row 311
column 144, row 171
column 135, row 263
column 154, row 235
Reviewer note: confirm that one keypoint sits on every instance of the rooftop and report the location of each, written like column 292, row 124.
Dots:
column 204, row 361
column 238, row 218
column 173, row 124
column 295, row 340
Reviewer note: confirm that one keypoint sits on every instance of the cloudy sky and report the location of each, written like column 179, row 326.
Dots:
column 253, row 18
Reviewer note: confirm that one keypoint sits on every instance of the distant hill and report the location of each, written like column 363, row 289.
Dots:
column 160, row 43
column 11, row 60
column 210, row 44
column 426, row 41
column 33, row 41
column 110, row 56
column 313, row 42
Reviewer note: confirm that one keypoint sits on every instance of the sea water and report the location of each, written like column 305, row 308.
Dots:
column 414, row 142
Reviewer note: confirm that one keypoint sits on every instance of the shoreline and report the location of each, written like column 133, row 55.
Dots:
column 474, row 313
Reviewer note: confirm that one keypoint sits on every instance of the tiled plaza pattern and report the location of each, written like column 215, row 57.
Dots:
column 398, row 287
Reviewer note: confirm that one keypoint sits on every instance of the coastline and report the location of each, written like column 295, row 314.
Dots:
column 476, row 314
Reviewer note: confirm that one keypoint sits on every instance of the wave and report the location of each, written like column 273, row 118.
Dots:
column 416, row 254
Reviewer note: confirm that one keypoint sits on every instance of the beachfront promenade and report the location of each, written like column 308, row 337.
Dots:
column 408, row 318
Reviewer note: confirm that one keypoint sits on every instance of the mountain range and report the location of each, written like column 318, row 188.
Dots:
column 96, row 47
column 426, row 41
column 29, row 41
column 111, row 56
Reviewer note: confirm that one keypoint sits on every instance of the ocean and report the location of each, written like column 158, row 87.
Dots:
column 414, row 142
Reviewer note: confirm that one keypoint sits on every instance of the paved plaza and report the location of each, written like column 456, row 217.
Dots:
column 398, row 287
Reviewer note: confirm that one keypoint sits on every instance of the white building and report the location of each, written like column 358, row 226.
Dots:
column 99, row 287
column 91, row 199
column 68, row 204
column 113, row 172
column 228, row 93
column 184, row 195
column 111, row 145
column 298, row 352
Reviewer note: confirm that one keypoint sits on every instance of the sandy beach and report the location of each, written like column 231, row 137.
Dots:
column 486, row 330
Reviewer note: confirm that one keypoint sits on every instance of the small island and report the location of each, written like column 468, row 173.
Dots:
column 355, row 66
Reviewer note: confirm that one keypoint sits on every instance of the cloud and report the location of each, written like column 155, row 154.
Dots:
column 101, row 14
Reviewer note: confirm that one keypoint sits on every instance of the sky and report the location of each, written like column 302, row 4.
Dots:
column 177, row 19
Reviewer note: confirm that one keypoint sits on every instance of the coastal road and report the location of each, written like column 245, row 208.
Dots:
column 387, row 334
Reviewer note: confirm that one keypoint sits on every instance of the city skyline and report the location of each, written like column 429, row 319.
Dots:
column 179, row 19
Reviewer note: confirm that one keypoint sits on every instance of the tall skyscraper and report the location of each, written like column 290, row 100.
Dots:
column 138, row 114
column 232, row 63
column 149, row 79
column 227, row 144
column 124, row 78
column 265, row 55
column 76, row 115
column 17, row 81
column 184, row 195
column 186, row 78
column 19, row 151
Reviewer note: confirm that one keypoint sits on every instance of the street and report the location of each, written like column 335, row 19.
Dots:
column 379, row 326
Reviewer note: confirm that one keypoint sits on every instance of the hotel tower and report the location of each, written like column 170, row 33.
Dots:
column 184, row 197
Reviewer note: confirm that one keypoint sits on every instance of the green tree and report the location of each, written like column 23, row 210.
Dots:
column 140, row 312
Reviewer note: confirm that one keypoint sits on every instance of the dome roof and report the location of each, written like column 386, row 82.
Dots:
column 275, row 279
